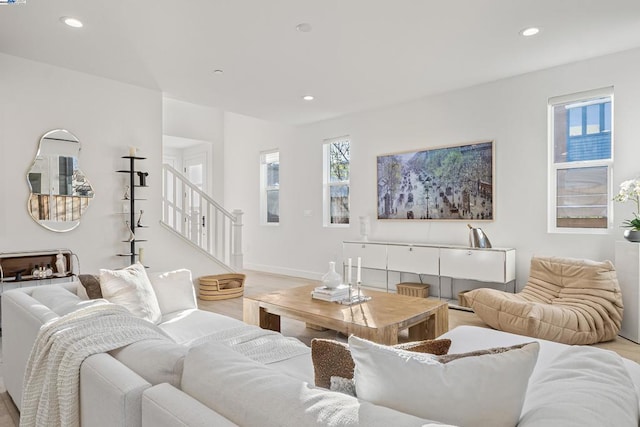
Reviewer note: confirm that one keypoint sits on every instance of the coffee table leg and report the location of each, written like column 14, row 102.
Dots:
column 269, row 321
column 438, row 323
column 420, row 331
column 253, row 314
column 434, row 326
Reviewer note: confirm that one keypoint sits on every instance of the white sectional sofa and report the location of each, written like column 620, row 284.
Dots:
column 187, row 381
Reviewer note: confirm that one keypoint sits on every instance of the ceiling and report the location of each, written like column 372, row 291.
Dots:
column 360, row 54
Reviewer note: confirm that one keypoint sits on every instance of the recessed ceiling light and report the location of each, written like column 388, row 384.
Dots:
column 308, row 97
column 304, row 27
column 72, row 22
column 218, row 72
column 530, row 31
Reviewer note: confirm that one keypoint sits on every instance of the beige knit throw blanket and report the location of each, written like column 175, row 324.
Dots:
column 51, row 387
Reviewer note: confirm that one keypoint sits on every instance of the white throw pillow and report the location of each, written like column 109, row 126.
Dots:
column 174, row 290
column 130, row 287
column 484, row 390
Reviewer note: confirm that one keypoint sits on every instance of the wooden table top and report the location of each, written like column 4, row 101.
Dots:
column 382, row 310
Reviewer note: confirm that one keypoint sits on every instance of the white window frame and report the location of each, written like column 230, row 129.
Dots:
column 554, row 167
column 264, row 155
column 327, row 184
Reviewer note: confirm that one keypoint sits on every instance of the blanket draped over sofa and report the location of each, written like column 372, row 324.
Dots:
column 50, row 396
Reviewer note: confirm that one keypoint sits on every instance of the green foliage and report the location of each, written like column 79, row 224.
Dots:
column 339, row 158
column 633, row 224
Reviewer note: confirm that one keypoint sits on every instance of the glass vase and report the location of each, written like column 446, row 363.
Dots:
column 331, row 279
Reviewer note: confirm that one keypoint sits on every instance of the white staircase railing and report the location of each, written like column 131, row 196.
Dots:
column 195, row 216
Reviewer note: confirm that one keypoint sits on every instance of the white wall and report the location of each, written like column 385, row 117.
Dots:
column 512, row 112
column 245, row 137
column 199, row 123
column 107, row 117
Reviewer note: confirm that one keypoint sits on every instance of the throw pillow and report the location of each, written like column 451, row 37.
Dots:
column 174, row 290
column 333, row 358
column 91, row 285
column 484, row 390
column 131, row 288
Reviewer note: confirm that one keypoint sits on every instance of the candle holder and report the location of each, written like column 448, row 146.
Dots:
column 356, row 298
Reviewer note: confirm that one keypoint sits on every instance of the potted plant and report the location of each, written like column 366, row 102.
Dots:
column 630, row 191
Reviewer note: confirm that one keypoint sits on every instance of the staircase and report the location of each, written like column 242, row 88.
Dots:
column 197, row 218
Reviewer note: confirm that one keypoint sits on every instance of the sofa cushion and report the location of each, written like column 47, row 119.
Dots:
column 471, row 391
column 174, row 290
column 54, row 296
column 156, row 361
column 186, row 326
column 333, row 359
column 130, row 287
column 582, row 386
column 166, row 406
column 251, row 394
column 69, row 307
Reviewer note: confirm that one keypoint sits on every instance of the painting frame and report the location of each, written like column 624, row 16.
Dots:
column 444, row 183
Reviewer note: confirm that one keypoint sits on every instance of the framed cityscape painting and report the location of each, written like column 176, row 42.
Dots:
column 444, row 183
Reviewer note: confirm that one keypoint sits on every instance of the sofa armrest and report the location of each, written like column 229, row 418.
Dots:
column 110, row 393
column 22, row 317
column 165, row 406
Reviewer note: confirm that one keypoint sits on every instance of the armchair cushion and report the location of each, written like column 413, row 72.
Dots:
column 572, row 301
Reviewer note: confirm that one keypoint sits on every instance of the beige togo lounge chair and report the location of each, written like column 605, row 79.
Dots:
column 572, row 301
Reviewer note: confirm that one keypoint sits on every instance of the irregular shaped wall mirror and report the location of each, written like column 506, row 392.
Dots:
column 60, row 192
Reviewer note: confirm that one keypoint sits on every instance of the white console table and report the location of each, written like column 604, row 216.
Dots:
column 628, row 272
column 493, row 265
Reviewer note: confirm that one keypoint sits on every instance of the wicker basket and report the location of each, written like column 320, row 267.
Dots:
column 462, row 301
column 221, row 286
column 420, row 290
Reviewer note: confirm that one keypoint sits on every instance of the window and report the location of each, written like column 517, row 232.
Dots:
column 581, row 161
column 336, row 181
column 270, row 187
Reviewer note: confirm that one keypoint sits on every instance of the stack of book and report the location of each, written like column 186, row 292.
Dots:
column 331, row 294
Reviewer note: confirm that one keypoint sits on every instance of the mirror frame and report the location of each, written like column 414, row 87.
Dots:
column 73, row 224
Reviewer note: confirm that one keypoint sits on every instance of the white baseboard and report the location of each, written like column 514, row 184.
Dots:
column 311, row 275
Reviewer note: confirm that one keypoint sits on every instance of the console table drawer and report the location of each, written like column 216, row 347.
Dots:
column 481, row 265
column 413, row 259
column 372, row 255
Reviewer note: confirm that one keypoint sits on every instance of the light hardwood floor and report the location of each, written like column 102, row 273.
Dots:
column 259, row 283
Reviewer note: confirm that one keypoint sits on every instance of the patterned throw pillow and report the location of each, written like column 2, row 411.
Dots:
column 333, row 359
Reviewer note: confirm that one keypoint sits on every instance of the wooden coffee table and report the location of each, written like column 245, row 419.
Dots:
column 379, row 319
